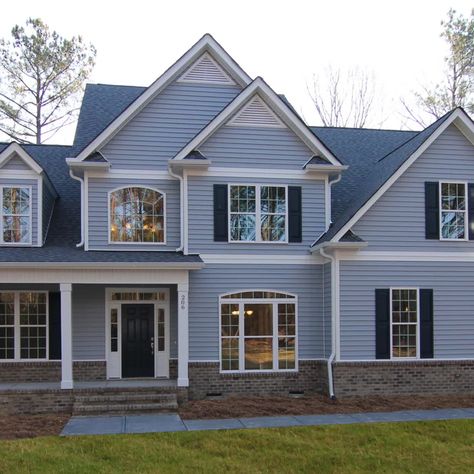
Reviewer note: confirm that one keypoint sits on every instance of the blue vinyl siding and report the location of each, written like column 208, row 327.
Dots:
column 205, row 287
column 397, row 220
column 200, row 215
column 452, row 284
column 16, row 163
column 166, row 125
column 98, row 212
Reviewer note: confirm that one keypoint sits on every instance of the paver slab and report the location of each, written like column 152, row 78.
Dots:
column 227, row 424
column 153, row 423
column 94, row 425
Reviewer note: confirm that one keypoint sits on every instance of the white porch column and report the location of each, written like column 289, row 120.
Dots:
column 66, row 335
column 183, row 335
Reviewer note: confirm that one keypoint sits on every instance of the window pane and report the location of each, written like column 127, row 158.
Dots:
column 242, row 227
column 258, row 319
column 230, row 353
column 286, row 320
column 7, row 343
column 286, row 352
column 404, row 323
column 230, row 320
column 114, row 330
column 273, row 228
column 452, row 225
column 258, row 353
column 136, row 215
column 33, row 332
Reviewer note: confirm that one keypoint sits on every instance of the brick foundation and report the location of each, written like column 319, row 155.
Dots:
column 204, row 378
column 50, row 371
column 427, row 377
column 173, row 368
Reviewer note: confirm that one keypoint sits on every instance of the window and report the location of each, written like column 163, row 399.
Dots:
column 404, row 323
column 453, row 210
column 258, row 331
column 15, row 215
column 23, row 325
column 137, row 216
column 257, row 213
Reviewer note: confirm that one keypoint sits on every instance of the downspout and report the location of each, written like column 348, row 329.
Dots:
column 333, row 322
column 181, row 205
column 81, row 180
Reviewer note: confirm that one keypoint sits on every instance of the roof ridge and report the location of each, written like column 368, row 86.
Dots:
column 323, row 127
column 440, row 120
column 114, row 85
column 35, row 144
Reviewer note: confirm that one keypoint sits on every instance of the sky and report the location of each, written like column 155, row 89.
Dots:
column 285, row 42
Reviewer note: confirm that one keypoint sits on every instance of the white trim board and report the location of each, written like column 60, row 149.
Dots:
column 216, row 171
column 407, row 256
column 259, row 87
column 263, row 259
column 458, row 117
column 206, row 43
column 15, row 149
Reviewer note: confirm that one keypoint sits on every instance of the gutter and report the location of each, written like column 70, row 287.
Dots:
column 181, row 205
column 333, row 322
column 81, row 180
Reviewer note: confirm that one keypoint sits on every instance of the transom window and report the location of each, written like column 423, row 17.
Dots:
column 258, row 331
column 453, row 209
column 257, row 213
column 138, row 296
column 23, row 325
column 137, row 215
column 15, row 215
column 404, row 322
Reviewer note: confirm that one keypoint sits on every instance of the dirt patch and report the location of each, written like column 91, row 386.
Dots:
column 30, row 426
column 315, row 405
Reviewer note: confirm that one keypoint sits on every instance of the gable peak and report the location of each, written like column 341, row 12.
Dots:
column 256, row 113
column 206, row 70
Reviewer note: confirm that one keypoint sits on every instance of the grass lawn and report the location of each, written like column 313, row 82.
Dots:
column 416, row 447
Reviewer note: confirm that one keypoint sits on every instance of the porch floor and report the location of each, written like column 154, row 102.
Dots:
column 89, row 385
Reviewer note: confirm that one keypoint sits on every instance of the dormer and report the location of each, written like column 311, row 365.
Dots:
column 27, row 199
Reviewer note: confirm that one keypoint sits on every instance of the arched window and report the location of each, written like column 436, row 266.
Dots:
column 258, row 331
column 137, row 215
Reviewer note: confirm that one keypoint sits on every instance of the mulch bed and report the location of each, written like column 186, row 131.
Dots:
column 315, row 405
column 30, row 426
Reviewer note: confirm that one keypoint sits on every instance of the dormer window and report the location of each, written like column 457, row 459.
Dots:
column 15, row 215
column 137, row 215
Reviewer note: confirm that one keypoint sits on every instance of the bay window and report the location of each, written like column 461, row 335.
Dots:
column 258, row 331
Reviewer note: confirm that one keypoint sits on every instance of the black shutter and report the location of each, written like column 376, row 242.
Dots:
column 470, row 209
column 382, row 324
column 220, row 213
column 55, row 325
column 432, row 210
column 295, row 221
column 426, row 324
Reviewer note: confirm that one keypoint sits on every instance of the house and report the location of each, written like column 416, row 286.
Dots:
column 199, row 238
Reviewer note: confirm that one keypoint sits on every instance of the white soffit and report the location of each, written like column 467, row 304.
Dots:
column 205, row 70
column 256, row 114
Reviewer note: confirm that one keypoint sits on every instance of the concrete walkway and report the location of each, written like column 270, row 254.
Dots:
column 95, row 425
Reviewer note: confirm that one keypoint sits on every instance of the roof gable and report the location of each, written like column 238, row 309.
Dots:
column 259, row 88
column 391, row 166
column 255, row 114
column 207, row 44
column 15, row 151
column 206, row 70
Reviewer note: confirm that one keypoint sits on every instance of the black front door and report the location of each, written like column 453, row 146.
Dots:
column 137, row 340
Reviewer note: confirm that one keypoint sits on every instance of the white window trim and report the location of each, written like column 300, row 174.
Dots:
column 392, row 357
column 258, row 215
column 465, row 211
column 17, row 327
column 114, row 359
column 114, row 242
column 241, row 302
column 30, row 215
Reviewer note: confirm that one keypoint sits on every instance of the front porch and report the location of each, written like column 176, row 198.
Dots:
column 105, row 329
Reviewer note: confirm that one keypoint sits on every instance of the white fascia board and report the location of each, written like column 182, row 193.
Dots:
column 206, row 44
column 76, row 163
column 325, row 168
column 15, row 149
column 458, row 117
column 190, row 163
column 260, row 87
column 339, row 245
column 105, row 265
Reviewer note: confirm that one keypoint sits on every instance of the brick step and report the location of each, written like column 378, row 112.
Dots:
column 129, row 397
column 123, row 409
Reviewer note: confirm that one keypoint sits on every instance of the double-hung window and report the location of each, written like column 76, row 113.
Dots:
column 23, row 325
column 258, row 213
column 404, row 323
column 453, row 211
column 258, row 331
column 15, row 213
